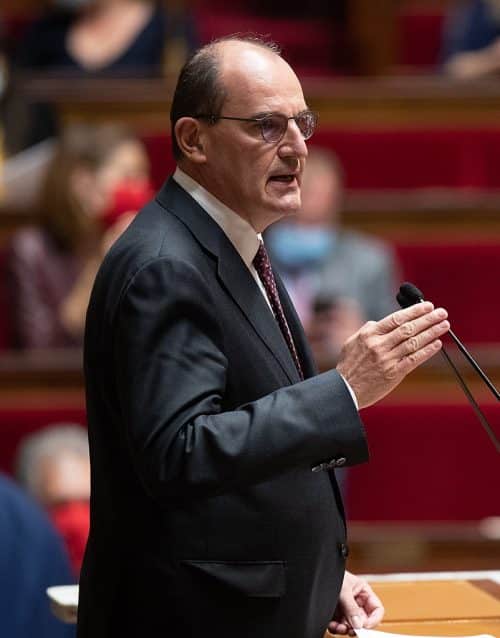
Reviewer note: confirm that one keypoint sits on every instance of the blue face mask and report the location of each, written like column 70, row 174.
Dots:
column 295, row 246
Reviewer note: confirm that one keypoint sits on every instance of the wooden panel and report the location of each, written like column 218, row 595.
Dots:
column 435, row 600
column 394, row 546
column 385, row 101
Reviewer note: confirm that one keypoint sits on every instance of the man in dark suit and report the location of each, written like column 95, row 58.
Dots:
column 214, row 508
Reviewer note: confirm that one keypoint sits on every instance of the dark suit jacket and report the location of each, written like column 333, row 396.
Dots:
column 206, row 515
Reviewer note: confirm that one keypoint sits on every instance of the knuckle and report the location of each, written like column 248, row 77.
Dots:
column 375, row 353
column 391, row 373
column 398, row 318
column 412, row 344
column 408, row 329
column 367, row 329
column 412, row 358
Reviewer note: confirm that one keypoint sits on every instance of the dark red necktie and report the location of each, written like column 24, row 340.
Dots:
column 264, row 270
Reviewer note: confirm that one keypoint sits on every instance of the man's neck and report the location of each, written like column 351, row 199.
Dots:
column 199, row 177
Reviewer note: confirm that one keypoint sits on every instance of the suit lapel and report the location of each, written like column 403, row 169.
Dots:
column 232, row 271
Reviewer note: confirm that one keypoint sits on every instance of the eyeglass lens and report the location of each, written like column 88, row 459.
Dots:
column 274, row 126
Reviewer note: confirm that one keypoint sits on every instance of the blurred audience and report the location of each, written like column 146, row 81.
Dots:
column 83, row 38
column 53, row 466
column 32, row 558
column 471, row 46
column 97, row 176
column 337, row 279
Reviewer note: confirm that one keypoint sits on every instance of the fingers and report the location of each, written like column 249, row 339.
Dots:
column 420, row 340
column 372, row 605
column 409, row 363
column 398, row 318
column 411, row 329
column 354, row 614
column 341, row 627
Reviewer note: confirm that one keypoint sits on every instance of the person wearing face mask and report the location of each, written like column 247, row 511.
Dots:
column 54, row 468
column 95, row 181
column 92, row 38
column 337, row 279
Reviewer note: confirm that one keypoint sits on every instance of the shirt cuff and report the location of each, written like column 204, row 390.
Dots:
column 351, row 392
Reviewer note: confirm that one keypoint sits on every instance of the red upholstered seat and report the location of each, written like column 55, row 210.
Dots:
column 293, row 35
column 377, row 158
column 464, row 278
column 419, row 35
column 392, row 158
column 428, row 462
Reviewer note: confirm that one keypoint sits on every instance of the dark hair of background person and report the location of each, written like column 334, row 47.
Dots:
column 59, row 211
column 199, row 89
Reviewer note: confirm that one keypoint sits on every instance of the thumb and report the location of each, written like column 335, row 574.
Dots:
column 354, row 614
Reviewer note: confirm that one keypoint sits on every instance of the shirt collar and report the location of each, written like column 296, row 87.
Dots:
column 241, row 234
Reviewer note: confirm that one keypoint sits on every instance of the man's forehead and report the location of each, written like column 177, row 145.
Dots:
column 247, row 68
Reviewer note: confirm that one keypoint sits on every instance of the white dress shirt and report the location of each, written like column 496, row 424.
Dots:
column 239, row 232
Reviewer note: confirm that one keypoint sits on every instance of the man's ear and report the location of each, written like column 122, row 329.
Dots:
column 189, row 138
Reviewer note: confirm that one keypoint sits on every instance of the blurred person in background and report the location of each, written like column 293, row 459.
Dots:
column 82, row 38
column 338, row 279
column 32, row 558
column 471, row 46
column 53, row 466
column 97, row 177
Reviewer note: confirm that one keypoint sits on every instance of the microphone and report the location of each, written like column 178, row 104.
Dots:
column 409, row 295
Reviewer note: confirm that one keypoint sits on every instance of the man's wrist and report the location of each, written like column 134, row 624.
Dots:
column 351, row 391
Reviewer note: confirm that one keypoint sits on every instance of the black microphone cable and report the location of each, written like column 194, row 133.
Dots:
column 409, row 295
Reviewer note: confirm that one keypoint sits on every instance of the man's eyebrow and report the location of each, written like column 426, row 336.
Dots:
column 266, row 113
column 263, row 114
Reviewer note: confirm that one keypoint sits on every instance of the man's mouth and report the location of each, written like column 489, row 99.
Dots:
column 287, row 179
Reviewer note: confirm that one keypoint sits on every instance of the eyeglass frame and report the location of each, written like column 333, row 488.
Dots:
column 213, row 119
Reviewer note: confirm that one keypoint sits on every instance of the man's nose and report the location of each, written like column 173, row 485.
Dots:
column 293, row 143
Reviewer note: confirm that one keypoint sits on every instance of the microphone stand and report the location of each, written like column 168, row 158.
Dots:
column 406, row 300
column 474, row 364
column 472, row 401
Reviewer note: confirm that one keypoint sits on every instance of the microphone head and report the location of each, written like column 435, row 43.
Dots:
column 409, row 295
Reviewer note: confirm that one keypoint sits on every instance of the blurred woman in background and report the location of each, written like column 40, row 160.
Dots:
column 96, row 179
column 92, row 38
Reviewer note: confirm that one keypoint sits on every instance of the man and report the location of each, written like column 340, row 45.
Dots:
column 336, row 278
column 213, row 511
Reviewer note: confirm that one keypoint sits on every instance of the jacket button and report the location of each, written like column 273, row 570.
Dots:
column 344, row 550
column 318, row 468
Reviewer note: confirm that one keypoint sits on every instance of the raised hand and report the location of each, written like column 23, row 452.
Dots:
column 381, row 353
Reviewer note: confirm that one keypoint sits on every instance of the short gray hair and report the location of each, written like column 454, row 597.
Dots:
column 50, row 442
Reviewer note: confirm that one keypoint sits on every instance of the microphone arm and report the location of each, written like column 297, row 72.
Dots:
column 409, row 295
column 472, row 401
column 474, row 364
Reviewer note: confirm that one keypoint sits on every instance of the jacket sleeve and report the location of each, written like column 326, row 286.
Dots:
column 170, row 372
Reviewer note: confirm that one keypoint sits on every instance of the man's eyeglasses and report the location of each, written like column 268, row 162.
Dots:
column 274, row 126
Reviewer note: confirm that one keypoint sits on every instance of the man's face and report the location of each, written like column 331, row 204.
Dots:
column 259, row 180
